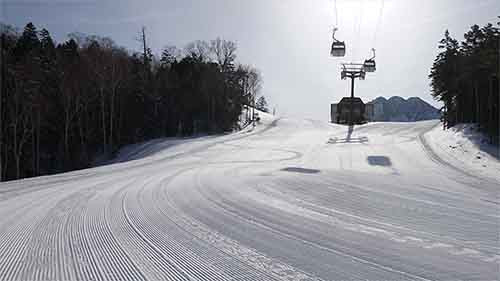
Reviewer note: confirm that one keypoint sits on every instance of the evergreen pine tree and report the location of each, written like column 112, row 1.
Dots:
column 28, row 41
column 262, row 104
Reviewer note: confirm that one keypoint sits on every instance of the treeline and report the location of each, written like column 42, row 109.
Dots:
column 465, row 77
column 62, row 105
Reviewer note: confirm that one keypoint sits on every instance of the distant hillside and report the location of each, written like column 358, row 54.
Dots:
column 397, row 109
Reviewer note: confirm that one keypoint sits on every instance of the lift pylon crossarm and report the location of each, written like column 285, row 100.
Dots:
column 352, row 70
column 352, row 74
column 352, row 65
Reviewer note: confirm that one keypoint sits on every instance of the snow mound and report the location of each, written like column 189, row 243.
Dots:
column 151, row 147
column 174, row 145
column 464, row 146
column 245, row 116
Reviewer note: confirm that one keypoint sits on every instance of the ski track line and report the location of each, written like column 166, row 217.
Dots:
column 47, row 248
column 84, row 262
column 376, row 204
column 41, row 247
column 126, row 225
column 269, row 265
column 167, row 246
column 212, row 255
column 24, row 201
column 226, row 208
column 394, row 229
column 416, row 217
column 14, row 240
column 156, row 264
column 266, row 267
column 111, row 259
column 28, row 185
column 15, row 244
column 53, row 244
column 227, row 262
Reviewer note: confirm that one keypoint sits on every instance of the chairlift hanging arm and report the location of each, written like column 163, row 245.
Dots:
column 333, row 35
column 372, row 58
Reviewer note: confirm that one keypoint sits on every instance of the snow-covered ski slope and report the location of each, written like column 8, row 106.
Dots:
column 287, row 200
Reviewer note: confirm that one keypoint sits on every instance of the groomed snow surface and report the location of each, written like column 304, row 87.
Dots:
column 287, row 200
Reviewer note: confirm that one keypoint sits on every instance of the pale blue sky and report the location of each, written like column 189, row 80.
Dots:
column 288, row 40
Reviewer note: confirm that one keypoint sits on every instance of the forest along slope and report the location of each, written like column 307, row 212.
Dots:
column 286, row 200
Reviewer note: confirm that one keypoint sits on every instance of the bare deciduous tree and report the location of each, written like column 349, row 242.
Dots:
column 199, row 50
column 224, row 52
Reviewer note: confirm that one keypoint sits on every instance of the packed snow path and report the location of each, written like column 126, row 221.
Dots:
column 291, row 200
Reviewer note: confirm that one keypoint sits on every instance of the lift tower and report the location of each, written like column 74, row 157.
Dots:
column 352, row 71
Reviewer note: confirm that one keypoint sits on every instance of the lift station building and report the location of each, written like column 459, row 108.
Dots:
column 340, row 113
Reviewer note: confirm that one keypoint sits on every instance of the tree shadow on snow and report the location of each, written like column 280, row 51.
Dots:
column 472, row 133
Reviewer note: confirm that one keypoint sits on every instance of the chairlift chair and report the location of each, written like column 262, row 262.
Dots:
column 370, row 65
column 338, row 47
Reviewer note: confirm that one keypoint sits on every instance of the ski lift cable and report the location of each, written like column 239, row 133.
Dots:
column 335, row 27
column 379, row 22
column 338, row 47
column 336, row 13
column 358, row 29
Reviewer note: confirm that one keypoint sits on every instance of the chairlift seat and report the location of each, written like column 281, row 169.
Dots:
column 369, row 65
column 338, row 49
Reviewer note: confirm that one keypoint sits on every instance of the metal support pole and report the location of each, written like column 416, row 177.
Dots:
column 352, row 86
column 353, row 71
column 351, row 113
column 498, row 80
